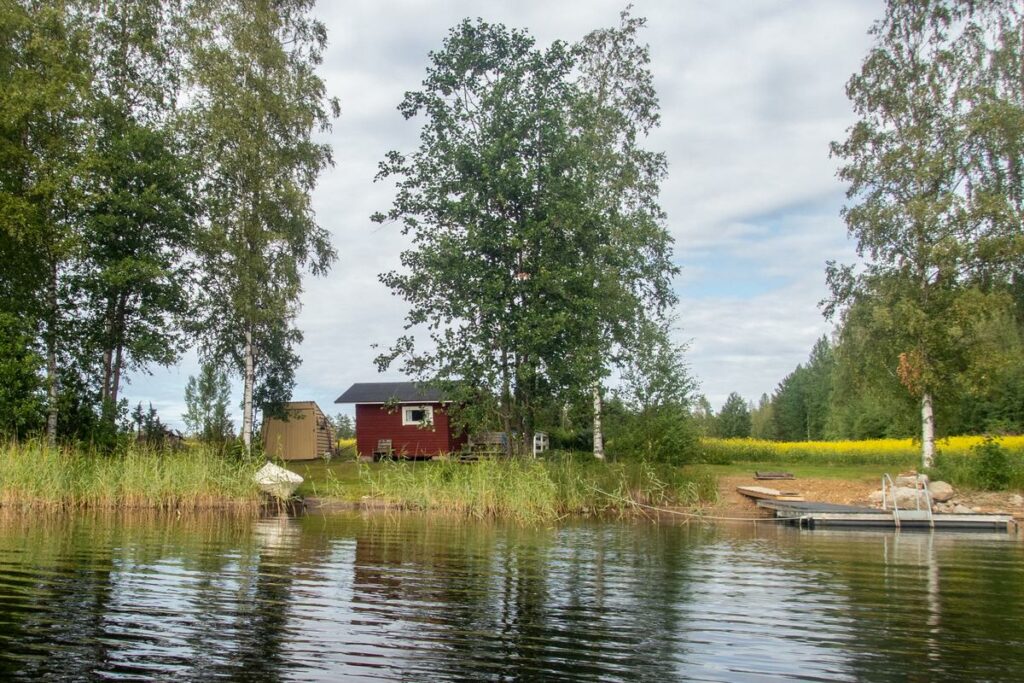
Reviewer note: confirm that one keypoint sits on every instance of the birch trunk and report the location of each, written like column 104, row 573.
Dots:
column 248, row 381
column 927, row 431
column 52, row 381
column 598, row 434
column 52, row 392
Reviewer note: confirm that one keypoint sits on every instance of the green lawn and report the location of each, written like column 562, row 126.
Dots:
column 340, row 476
column 799, row 470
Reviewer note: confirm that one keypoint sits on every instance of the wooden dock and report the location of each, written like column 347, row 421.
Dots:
column 813, row 515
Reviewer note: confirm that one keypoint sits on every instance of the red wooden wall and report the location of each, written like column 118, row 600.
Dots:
column 375, row 422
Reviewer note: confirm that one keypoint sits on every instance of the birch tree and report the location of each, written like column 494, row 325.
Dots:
column 933, row 165
column 619, row 108
column 257, row 104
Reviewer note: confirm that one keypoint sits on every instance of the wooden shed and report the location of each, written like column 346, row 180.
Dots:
column 305, row 435
column 401, row 419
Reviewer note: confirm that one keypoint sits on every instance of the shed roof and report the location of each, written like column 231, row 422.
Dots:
column 385, row 392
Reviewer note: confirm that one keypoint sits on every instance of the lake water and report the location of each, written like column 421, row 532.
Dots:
column 373, row 597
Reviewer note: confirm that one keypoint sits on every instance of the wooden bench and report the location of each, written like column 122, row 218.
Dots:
column 383, row 450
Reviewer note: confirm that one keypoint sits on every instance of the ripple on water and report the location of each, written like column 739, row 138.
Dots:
column 414, row 598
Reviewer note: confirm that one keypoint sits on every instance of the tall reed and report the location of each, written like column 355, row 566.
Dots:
column 530, row 491
column 35, row 475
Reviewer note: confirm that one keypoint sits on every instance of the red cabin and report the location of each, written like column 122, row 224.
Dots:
column 401, row 419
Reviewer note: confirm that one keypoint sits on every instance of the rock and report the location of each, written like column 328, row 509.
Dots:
column 975, row 509
column 876, row 497
column 942, row 507
column 941, row 491
column 277, row 480
column 912, row 480
column 1016, row 500
column 959, row 509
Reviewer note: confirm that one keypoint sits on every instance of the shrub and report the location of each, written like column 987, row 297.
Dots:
column 991, row 465
column 665, row 434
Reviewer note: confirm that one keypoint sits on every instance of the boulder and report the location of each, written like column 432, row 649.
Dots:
column 962, row 509
column 277, row 481
column 906, row 497
column 912, row 480
column 941, row 491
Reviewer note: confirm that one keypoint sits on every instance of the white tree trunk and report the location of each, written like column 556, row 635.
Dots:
column 927, row 431
column 52, row 394
column 598, row 434
column 248, row 381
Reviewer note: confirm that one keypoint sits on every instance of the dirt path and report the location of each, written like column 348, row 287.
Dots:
column 843, row 492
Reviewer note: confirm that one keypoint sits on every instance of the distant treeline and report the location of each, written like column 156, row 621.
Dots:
column 850, row 387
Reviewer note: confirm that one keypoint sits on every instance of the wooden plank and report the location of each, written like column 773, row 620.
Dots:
column 773, row 475
column 764, row 493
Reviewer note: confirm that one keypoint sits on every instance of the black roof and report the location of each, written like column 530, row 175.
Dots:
column 385, row 392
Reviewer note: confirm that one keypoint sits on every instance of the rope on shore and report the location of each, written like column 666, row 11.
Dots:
column 697, row 515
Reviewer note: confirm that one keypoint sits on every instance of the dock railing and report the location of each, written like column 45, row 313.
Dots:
column 917, row 514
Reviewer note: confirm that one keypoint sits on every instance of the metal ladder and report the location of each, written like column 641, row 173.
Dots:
column 916, row 515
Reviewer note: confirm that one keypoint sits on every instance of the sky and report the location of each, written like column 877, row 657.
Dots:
column 752, row 92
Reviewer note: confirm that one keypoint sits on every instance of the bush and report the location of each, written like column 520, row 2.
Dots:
column 991, row 466
column 665, row 434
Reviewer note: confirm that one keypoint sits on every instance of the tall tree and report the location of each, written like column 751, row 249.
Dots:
column 912, row 166
column 258, row 104
column 733, row 421
column 206, row 405
column 535, row 245
column 619, row 108
column 44, row 75
column 138, row 218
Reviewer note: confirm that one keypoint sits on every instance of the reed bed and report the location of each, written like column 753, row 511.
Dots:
column 891, row 452
column 34, row 475
column 534, row 491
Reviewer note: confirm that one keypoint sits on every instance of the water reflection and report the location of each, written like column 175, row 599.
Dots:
column 413, row 598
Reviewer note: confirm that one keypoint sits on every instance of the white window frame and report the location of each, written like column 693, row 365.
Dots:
column 428, row 416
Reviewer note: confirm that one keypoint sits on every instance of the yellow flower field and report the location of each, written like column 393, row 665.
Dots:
column 869, row 452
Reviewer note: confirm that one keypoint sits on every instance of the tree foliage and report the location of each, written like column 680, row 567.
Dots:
column 207, row 414
column 733, row 420
column 538, row 246
column 933, row 165
column 259, row 103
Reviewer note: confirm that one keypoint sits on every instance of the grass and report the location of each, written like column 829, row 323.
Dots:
column 523, row 490
column 34, row 475
column 958, row 460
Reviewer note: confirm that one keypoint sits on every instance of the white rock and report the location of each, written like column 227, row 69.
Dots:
column 941, row 491
column 277, row 480
column 907, row 497
column 911, row 480
column 1017, row 500
column 961, row 509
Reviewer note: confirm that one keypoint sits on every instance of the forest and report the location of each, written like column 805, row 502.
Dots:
column 156, row 168
column 157, row 161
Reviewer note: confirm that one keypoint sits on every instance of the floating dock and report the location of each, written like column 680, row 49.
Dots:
column 813, row 515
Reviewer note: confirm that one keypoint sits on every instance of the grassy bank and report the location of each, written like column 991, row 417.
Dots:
column 34, row 475
column 524, row 490
column 959, row 460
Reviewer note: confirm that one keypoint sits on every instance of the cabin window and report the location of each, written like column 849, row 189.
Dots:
column 417, row 415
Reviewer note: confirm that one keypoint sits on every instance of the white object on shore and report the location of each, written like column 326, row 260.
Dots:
column 277, row 481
